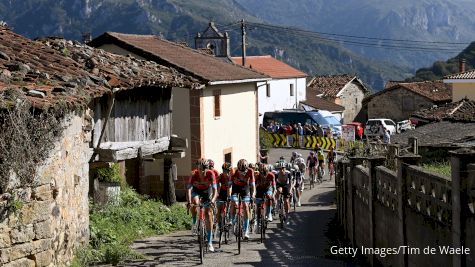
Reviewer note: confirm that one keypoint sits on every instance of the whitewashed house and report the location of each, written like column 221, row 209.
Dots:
column 286, row 89
column 219, row 119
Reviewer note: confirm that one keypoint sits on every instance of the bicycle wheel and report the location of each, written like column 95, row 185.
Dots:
column 239, row 232
column 262, row 222
column 281, row 212
column 294, row 199
column 201, row 240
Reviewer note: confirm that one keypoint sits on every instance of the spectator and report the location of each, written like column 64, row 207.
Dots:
column 308, row 129
column 289, row 131
column 318, row 130
column 387, row 136
column 300, row 133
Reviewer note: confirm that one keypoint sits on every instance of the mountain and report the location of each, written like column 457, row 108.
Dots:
column 443, row 68
column 180, row 20
column 426, row 20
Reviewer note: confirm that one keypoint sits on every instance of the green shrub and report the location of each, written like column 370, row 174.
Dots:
column 114, row 228
column 442, row 168
column 109, row 174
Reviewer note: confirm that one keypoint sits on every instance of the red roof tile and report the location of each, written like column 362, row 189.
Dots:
column 329, row 86
column 270, row 66
column 462, row 76
column 436, row 91
column 460, row 111
column 71, row 73
column 188, row 60
column 321, row 104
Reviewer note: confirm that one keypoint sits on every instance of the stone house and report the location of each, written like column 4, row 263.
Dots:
column 399, row 100
column 220, row 119
column 463, row 85
column 284, row 91
column 345, row 90
column 57, row 92
column 214, row 41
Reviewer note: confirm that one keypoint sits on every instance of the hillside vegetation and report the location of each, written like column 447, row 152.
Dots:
column 181, row 20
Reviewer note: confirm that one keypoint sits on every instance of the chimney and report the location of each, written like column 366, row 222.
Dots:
column 461, row 64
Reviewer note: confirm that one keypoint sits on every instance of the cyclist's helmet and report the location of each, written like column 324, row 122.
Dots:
column 242, row 165
column 202, row 164
column 226, row 167
column 294, row 154
column 282, row 158
column 289, row 166
column 252, row 166
column 211, row 163
column 281, row 165
column 312, row 153
column 263, row 168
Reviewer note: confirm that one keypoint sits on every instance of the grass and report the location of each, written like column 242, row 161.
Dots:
column 114, row 228
column 442, row 168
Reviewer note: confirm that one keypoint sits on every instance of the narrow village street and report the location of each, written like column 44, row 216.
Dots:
column 302, row 243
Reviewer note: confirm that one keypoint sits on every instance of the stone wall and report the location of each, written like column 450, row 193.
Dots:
column 54, row 217
column 351, row 98
column 398, row 104
column 410, row 209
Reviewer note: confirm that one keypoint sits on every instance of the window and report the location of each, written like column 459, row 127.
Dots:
column 292, row 89
column 217, row 103
column 227, row 157
column 268, row 90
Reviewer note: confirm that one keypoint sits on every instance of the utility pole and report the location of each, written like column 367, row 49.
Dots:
column 243, row 42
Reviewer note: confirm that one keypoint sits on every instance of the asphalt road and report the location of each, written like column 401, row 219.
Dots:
column 302, row 243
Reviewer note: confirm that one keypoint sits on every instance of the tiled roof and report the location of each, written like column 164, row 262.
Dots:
column 321, row 104
column 464, row 75
column 436, row 91
column 439, row 133
column 191, row 61
column 69, row 72
column 270, row 66
column 460, row 111
column 329, row 86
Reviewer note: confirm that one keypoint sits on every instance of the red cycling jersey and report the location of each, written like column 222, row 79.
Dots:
column 265, row 181
column 200, row 182
column 243, row 178
column 224, row 179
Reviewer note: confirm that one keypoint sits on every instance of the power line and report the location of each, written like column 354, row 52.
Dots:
column 360, row 37
column 431, row 46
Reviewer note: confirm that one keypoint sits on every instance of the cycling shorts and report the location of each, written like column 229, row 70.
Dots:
column 223, row 195
column 261, row 192
column 243, row 191
column 204, row 194
column 285, row 189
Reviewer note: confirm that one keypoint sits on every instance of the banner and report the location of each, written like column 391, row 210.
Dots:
column 348, row 132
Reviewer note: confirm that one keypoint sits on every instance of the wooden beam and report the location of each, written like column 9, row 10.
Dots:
column 177, row 142
column 117, row 151
column 170, row 154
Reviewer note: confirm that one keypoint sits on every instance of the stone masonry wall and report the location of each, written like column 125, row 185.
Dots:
column 390, row 105
column 351, row 99
column 54, row 218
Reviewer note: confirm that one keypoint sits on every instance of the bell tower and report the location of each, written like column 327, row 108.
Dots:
column 214, row 40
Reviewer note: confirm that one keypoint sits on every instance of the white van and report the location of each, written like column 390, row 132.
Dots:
column 373, row 127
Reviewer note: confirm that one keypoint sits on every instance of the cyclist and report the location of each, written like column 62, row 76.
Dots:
column 331, row 157
column 242, row 182
column 211, row 167
column 321, row 163
column 199, row 184
column 284, row 185
column 312, row 163
column 265, row 188
column 293, row 157
column 223, row 183
column 298, row 177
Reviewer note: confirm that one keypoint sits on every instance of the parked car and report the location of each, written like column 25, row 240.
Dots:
column 359, row 129
column 404, row 125
column 303, row 117
column 373, row 127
